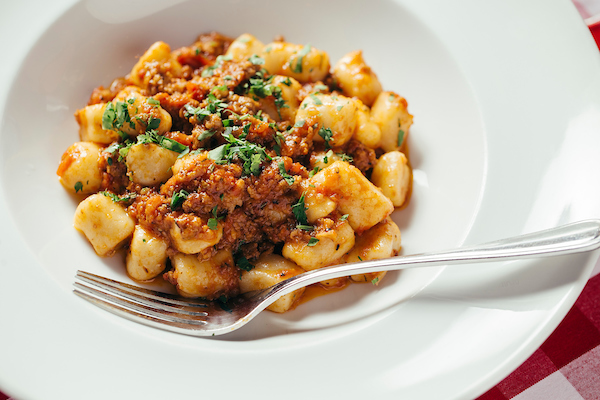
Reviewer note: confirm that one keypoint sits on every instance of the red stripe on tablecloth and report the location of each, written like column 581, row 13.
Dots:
column 595, row 29
column 536, row 368
column 493, row 394
column 577, row 337
column 574, row 337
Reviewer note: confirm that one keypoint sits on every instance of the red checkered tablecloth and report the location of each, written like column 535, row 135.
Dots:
column 567, row 365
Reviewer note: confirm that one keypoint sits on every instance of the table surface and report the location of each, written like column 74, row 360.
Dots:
column 567, row 364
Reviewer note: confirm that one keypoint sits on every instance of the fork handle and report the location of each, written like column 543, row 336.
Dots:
column 566, row 239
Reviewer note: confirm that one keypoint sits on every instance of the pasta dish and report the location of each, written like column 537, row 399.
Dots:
column 229, row 165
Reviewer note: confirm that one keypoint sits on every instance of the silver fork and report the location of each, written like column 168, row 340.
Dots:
column 203, row 318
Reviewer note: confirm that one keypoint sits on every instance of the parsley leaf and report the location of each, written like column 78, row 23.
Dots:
column 327, row 135
column 205, row 135
column 400, row 137
column 312, row 242
column 297, row 67
column 213, row 224
column 299, row 211
column 316, row 100
column 165, row 142
column 256, row 60
column 153, row 101
column 115, row 198
column 314, row 171
column 242, row 263
column 345, row 157
column 279, row 138
column 78, row 186
column 288, row 178
column 251, row 154
column 116, row 115
column 178, row 198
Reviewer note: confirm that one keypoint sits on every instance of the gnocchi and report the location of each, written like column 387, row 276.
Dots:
column 229, row 165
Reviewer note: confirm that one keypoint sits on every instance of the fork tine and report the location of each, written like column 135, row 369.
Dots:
column 145, row 297
column 132, row 307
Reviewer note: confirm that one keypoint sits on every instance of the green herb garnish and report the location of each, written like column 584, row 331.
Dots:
column 400, row 137
column 288, row 178
column 327, row 135
column 243, row 263
column 178, row 198
column 299, row 211
column 251, row 154
column 117, row 199
column 297, row 67
column 312, row 242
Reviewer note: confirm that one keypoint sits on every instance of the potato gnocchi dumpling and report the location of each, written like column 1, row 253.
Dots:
column 268, row 270
column 230, row 165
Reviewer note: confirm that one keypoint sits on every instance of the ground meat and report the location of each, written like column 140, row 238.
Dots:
column 153, row 212
column 204, row 50
column 271, row 198
column 298, row 142
column 209, row 185
column 114, row 176
column 239, row 229
column 363, row 157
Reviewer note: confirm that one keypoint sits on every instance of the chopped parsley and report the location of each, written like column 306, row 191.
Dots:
column 205, row 135
column 374, row 281
column 256, row 60
column 400, row 137
column 345, row 157
column 288, row 178
column 297, row 66
column 115, row 116
column 116, row 198
column 314, row 171
column 260, row 86
column 312, row 242
column 213, row 223
column 279, row 138
column 153, row 101
column 213, row 106
column 152, row 124
column 315, row 99
column 178, row 198
column 165, row 142
column 242, row 263
column 299, row 211
column 78, row 186
column 251, row 154
column 327, row 135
